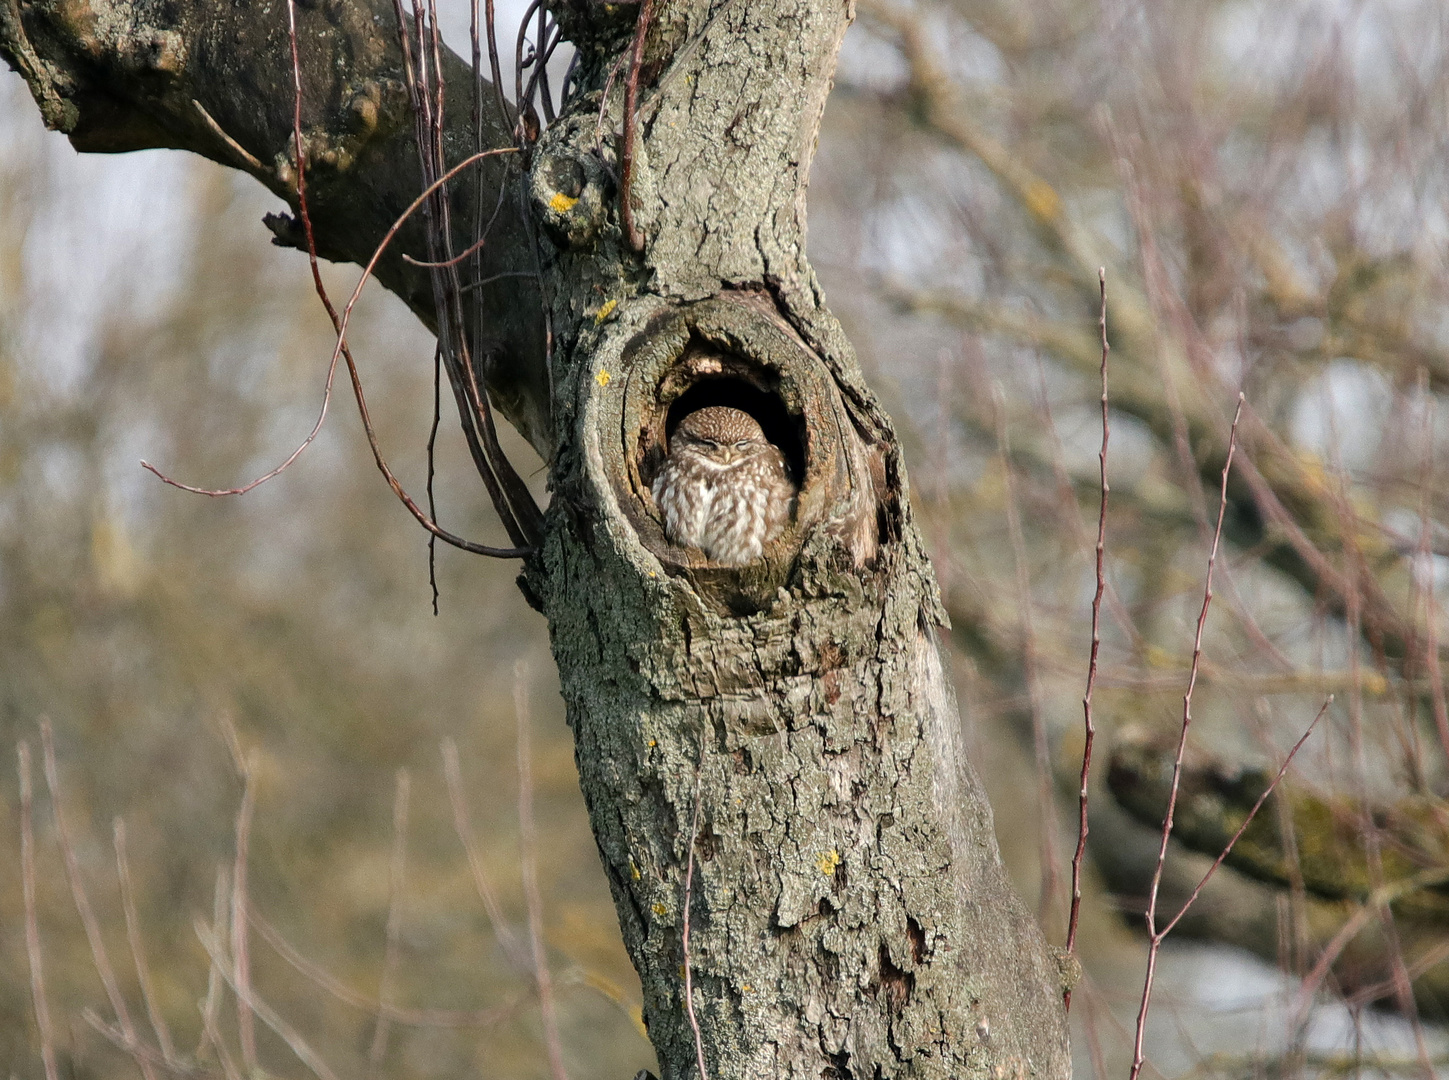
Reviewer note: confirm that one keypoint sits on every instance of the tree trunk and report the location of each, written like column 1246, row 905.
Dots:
column 851, row 916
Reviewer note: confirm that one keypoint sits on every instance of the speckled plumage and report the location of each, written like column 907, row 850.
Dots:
column 724, row 487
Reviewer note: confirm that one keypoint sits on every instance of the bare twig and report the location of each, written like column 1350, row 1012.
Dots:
column 511, row 499
column 528, row 858
column 506, row 939
column 83, row 908
column 397, row 877
column 1155, row 938
column 32, row 927
column 396, row 1014
column 263, row 1012
column 240, row 953
column 1088, row 727
column 211, row 1004
column 138, row 952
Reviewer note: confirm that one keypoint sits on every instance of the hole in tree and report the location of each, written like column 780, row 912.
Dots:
column 782, row 429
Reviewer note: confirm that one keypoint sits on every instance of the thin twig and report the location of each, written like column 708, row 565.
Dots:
column 511, row 499
column 99, row 955
column 461, row 824
column 342, row 351
column 211, row 1004
column 235, row 147
column 432, row 472
column 688, row 902
column 528, row 859
column 138, row 1050
column 138, row 952
column 1155, row 939
column 631, row 99
column 264, row 1012
column 495, row 67
column 397, row 876
column 1088, row 727
column 1253, row 813
column 339, row 324
column 397, row 1014
column 32, row 926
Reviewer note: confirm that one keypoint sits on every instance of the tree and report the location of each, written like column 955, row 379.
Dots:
column 782, row 737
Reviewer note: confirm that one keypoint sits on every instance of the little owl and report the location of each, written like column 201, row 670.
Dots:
column 723, row 488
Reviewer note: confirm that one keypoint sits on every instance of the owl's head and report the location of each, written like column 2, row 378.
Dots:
column 722, row 434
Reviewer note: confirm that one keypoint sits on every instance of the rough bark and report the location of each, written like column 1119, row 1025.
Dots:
column 851, row 914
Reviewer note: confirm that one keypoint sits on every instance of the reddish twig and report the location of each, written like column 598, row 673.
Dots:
column 32, row 926
column 1088, row 727
column 444, row 264
column 138, row 954
column 1155, row 938
column 341, row 350
column 99, row 956
column 1258, row 805
column 528, row 860
column 340, row 324
column 397, row 875
column 137, row 1050
column 688, row 902
column 631, row 99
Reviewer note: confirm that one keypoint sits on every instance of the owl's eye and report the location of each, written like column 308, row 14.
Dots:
column 742, row 444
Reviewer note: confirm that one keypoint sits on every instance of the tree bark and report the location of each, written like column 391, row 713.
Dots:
column 851, row 916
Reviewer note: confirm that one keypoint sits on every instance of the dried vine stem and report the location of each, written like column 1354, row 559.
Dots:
column 1156, row 936
column 1088, row 726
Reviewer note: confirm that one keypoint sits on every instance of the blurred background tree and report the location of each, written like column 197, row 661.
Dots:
column 1264, row 184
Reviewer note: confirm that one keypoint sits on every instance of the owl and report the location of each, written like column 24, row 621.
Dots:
column 724, row 487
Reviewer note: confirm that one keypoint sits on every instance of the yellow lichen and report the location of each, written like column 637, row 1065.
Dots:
column 603, row 377
column 828, row 861
column 605, row 311
column 561, row 203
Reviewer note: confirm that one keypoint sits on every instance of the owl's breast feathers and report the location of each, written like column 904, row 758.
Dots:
column 730, row 511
